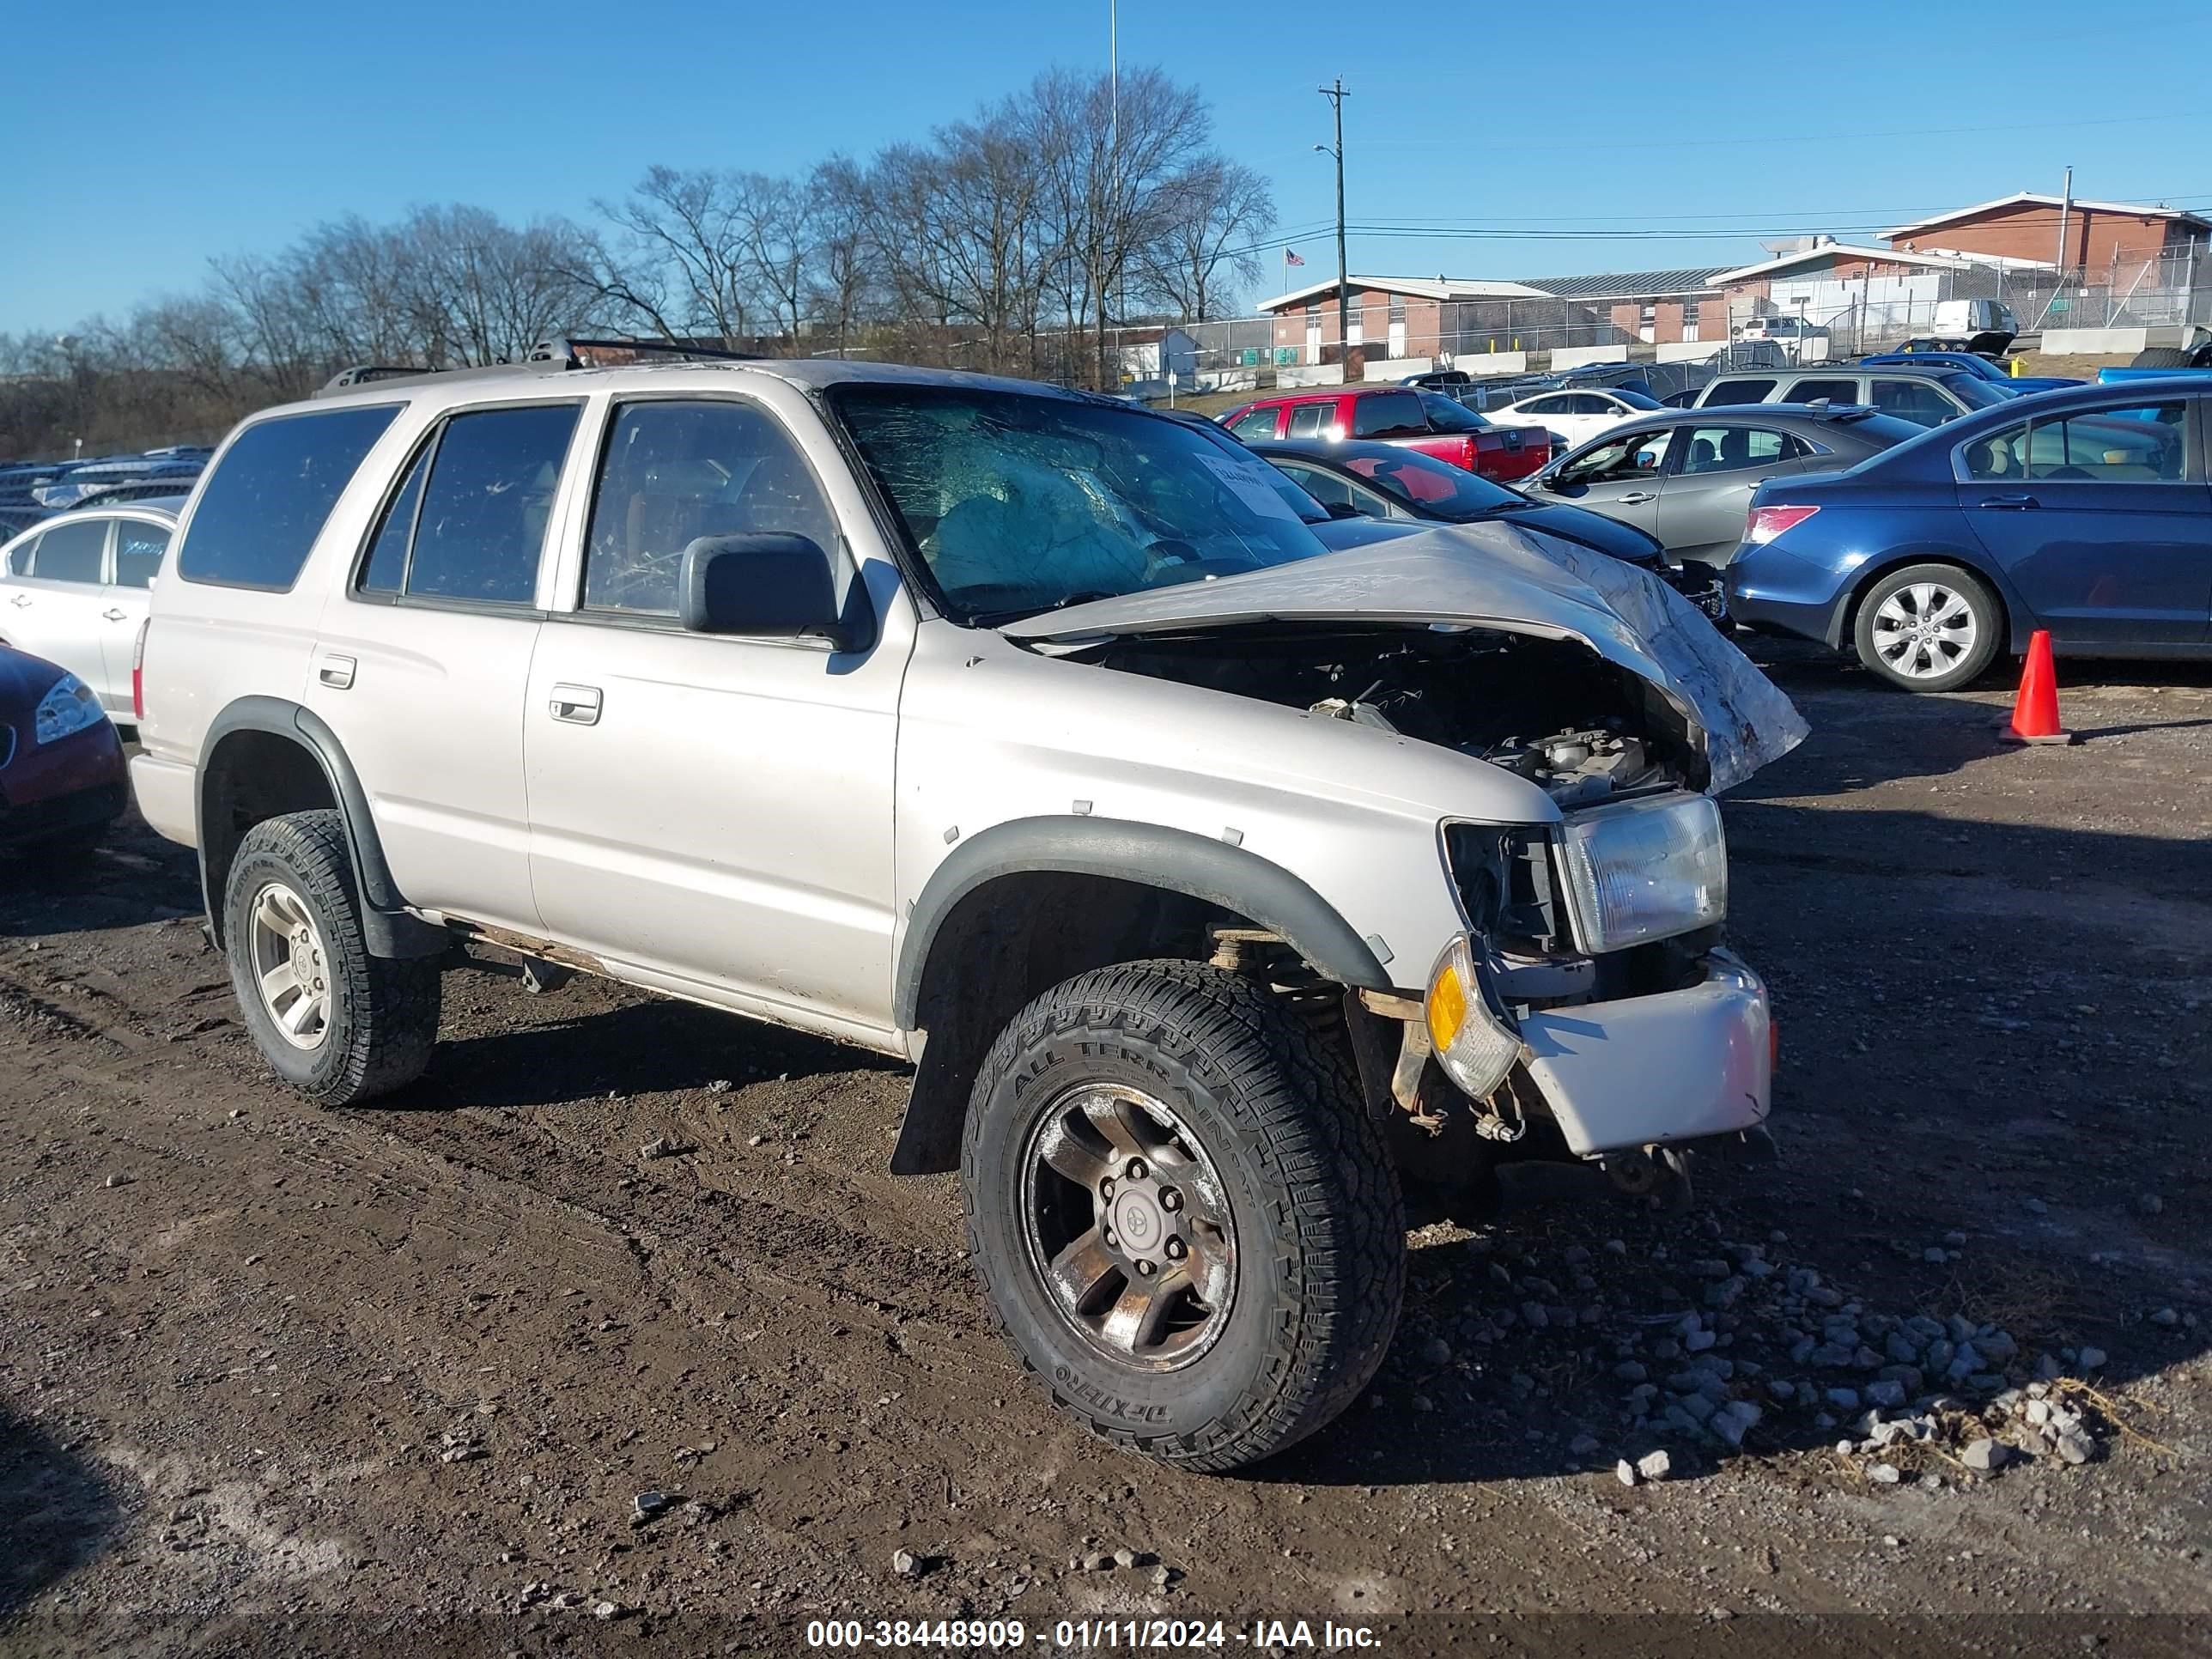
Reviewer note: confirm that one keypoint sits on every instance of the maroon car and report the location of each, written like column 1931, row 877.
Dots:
column 62, row 776
column 1426, row 420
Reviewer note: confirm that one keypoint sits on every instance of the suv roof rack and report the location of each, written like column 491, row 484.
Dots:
column 573, row 352
column 561, row 352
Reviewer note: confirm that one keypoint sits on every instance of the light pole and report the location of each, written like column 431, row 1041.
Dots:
column 1335, row 94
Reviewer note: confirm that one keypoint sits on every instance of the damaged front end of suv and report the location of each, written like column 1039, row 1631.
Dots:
column 1583, row 1005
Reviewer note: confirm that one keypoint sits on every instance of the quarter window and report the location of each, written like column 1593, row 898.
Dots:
column 138, row 550
column 71, row 552
column 679, row 473
column 258, row 515
column 486, row 501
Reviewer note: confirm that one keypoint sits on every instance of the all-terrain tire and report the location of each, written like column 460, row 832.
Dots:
column 1319, row 1227
column 383, row 1014
column 1939, row 674
column 2160, row 357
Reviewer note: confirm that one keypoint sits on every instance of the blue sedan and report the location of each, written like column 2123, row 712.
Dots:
column 2085, row 512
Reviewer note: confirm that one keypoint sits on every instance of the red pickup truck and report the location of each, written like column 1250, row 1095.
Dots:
column 1426, row 420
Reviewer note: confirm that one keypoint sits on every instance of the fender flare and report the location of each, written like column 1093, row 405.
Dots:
column 390, row 929
column 1151, row 856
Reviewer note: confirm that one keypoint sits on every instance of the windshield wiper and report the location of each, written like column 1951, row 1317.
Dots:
column 996, row 618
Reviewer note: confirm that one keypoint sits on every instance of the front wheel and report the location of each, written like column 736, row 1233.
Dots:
column 1186, row 1223
column 1929, row 628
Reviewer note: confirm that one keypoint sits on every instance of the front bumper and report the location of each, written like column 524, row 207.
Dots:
column 1651, row 1070
column 1702, row 586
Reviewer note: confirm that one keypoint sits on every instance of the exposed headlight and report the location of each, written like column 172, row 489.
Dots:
column 69, row 706
column 1470, row 1031
column 1644, row 870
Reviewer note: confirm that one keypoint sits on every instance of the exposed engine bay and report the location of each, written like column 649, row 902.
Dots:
column 1552, row 711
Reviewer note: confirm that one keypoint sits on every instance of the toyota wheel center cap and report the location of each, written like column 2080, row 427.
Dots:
column 1136, row 1221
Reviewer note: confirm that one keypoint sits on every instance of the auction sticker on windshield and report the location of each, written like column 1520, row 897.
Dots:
column 1255, row 483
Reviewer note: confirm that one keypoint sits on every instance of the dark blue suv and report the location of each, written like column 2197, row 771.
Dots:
column 2085, row 512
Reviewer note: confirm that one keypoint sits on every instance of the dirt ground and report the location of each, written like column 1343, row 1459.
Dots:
column 274, row 1380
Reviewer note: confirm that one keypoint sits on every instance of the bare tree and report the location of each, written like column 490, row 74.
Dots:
column 845, row 280
column 1208, row 219
column 695, row 225
column 1116, row 156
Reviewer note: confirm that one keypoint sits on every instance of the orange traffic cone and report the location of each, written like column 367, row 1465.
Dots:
column 2035, row 710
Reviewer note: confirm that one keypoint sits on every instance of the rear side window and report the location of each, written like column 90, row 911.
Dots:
column 1834, row 391
column 261, row 512
column 1308, row 420
column 1390, row 414
column 138, row 550
column 71, row 552
column 1260, row 423
column 486, row 499
column 1732, row 449
column 1739, row 392
column 1913, row 400
column 2147, row 445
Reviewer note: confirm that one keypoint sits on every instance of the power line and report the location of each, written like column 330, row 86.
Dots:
column 1644, row 143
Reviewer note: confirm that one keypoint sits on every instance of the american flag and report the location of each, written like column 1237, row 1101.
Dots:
column 1291, row 258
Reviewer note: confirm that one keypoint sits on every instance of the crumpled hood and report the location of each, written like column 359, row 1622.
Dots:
column 1490, row 575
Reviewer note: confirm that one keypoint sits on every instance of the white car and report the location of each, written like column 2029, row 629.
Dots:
column 1576, row 416
column 74, row 589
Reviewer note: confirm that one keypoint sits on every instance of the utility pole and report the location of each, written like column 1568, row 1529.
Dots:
column 2065, row 211
column 1336, row 95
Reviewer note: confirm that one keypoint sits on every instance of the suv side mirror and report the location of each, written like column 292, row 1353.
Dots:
column 772, row 584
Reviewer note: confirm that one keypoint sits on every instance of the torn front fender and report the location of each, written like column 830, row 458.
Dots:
column 1488, row 575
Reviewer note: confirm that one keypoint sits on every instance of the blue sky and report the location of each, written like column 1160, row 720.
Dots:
column 231, row 125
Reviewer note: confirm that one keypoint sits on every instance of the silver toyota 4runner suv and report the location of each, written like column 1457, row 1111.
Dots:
column 1209, row 877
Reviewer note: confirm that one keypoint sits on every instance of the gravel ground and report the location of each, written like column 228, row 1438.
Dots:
column 472, row 1372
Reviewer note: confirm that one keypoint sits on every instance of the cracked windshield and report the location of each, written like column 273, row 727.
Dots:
column 1019, row 504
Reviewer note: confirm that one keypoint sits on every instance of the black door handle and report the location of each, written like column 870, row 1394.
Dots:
column 2009, row 501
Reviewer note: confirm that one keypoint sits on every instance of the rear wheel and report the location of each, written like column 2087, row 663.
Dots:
column 1929, row 628
column 1186, row 1223
column 2160, row 357
column 339, row 1024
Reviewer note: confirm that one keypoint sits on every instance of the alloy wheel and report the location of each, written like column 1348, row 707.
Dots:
column 1128, row 1226
column 291, row 969
column 1924, row 630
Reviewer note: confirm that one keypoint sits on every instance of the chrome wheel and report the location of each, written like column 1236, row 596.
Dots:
column 1924, row 631
column 290, row 967
column 1126, row 1224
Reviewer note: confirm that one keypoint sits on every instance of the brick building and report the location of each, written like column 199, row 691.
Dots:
column 1398, row 317
column 1660, row 308
column 2119, row 242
